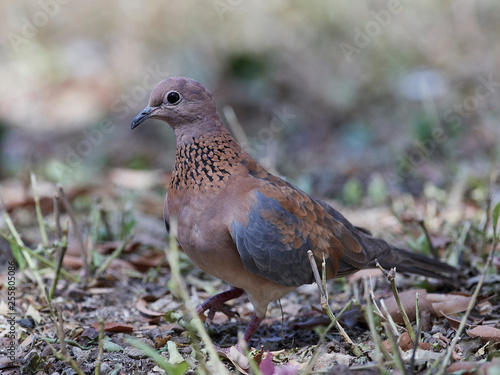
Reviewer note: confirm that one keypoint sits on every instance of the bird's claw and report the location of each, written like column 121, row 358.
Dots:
column 214, row 307
column 217, row 304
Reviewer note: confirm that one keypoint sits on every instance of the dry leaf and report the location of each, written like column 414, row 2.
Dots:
column 457, row 353
column 467, row 367
column 17, row 197
column 445, row 304
column 484, row 306
column 143, row 309
column 114, row 327
column 148, row 260
column 485, row 332
column 405, row 343
column 107, row 247
column 238, row 359
column 453, row 322
column 408, row 301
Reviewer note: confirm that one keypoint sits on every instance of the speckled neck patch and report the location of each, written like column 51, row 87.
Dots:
column 206, row 163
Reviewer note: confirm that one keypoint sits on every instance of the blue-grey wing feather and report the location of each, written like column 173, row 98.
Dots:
column 263, row 250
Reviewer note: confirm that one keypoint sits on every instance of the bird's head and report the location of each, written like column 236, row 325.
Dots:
column 181, row 102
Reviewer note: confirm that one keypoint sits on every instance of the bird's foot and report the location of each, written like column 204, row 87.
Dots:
column 216, row 303
column 243, row 343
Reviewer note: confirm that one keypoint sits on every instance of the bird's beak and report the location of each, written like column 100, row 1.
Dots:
column 143, row 116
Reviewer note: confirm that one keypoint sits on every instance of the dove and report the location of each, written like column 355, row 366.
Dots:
column 241, row 224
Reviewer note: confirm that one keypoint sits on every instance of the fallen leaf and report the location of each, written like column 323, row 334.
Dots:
column 486, row 333
column 405, row 343
column 484, row 306
column 114, row 327
column 18, row 197
column 408, row 302
column 107, row 247
column 457, row 353
column 174, row 357
column 453, row 322
column 147, row 260
column 238, row 359
column 110, row 346
column 161, row 341
column 445, row 304
column 467, row 367
column 266, row 365
column 143, row 309
column 72, row 262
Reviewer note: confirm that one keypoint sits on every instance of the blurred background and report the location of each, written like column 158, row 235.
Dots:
column 348, row 100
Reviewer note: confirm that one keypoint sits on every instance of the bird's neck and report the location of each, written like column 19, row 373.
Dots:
column 188, row 132
column 206, row 162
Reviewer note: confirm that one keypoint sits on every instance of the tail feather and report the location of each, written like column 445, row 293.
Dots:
column 407, row 261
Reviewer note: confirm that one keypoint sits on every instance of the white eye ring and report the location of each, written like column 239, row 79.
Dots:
column 173, row 97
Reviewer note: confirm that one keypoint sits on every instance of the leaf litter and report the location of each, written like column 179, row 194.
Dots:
column 132, row 297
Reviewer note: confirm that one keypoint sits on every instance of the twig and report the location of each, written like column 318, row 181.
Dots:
column 39, row 216
column 57, row 216
column 83, row 249
column 235, row 125
column 433, row 250
column 461, row 240
column 40, row 258
column 471, row 305
column 68, row 360
column 387, row 316
column 380, row 349
column 62, row 247
column 173, row 260
column 486, row 225
column 391, row 276
column 326, row 307
column 104, row 218
column 99, row 352
column 60, row 332
column 493, row 177
column 9, row 223
column 63, row 355
column 398, row 359
column 22, row 246
column 417, row 337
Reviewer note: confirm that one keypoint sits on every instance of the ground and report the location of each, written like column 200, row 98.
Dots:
column 137, row 295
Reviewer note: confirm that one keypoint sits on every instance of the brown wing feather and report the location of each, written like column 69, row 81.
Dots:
column 283, row 224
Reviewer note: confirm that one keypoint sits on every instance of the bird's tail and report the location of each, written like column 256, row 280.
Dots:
column 407, row 261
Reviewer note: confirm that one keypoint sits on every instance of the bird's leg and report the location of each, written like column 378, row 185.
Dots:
column 216, row 303
column 252, row 327
column 250, row 330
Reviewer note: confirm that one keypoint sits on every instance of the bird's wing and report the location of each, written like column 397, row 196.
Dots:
column 282, row 225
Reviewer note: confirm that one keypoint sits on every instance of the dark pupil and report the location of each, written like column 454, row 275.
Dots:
column 172, row 97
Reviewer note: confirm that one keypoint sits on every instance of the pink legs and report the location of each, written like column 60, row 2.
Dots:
column 252, row 326
column 216, row 303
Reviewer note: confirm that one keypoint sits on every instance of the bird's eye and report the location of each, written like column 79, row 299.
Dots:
column 173, row 97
